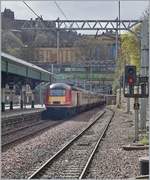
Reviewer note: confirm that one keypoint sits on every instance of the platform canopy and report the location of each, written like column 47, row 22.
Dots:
column 12, row 66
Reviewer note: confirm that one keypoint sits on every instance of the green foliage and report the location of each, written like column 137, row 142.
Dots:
column 144, row 140
column 129, row 53
column 130, row 49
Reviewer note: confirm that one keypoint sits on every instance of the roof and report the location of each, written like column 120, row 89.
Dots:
column 60, row 85
column 20, row 61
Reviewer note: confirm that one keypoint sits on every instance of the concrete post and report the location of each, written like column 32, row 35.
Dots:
column 32, row 103
column 91, row 83
column 144, row 71
column 119, row 105
column 11, row 99
column 25, row 94
column 3, row 99
column 136, row 120
column 128, row 105
column 40, row 95
column 21, row 100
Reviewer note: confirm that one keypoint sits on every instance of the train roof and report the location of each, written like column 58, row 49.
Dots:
column 66, row 86
column 60, row 85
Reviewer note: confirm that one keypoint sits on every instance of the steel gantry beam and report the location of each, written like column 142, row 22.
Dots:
column 82, row 25
column 96, row 24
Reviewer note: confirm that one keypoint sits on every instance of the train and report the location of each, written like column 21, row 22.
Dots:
column 63, row 100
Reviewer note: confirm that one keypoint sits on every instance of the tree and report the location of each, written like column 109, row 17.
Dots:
column 11, row 43
column 129, row 53
column 130, row 49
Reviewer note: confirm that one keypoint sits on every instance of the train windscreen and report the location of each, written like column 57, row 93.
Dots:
column 57, row 92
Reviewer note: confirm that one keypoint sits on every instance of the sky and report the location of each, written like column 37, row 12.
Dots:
column 77, row 9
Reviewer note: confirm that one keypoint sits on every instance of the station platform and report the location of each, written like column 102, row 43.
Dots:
column 18, row 112
column 17, row 117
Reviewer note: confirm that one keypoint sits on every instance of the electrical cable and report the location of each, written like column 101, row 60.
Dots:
column 57, row 5
column 31, row 9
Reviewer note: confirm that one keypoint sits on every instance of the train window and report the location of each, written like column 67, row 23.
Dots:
column 57, row 92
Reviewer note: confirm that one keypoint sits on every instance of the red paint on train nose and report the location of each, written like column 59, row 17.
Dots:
column 68, row 97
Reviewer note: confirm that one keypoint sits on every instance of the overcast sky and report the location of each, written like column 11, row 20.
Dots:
column 77, row 10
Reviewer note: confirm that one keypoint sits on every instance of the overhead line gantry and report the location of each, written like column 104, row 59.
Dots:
column 83, row 25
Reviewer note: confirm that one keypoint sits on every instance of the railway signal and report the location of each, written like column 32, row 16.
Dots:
column 130, row 75
column 135, row 87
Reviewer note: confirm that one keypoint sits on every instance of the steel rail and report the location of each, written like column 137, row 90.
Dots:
column 47, row 126
column 35, row 174
column 19, row 129
column 82, row 175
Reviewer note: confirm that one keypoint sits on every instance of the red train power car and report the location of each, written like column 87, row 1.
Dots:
column 63, row 100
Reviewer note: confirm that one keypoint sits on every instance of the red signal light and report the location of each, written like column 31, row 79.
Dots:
column 130, row 80
column 130, row 74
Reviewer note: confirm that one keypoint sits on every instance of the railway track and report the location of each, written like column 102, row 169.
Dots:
column 13, row 136
column 72, row 160
column 11, row 132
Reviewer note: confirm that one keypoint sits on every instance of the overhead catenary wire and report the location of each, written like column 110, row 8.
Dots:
column 60, row 9
column 31, row 9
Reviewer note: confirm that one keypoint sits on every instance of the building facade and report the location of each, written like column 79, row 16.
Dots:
column 49, row 55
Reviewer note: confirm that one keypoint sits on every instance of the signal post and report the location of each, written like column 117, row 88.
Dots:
column 135, row 87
